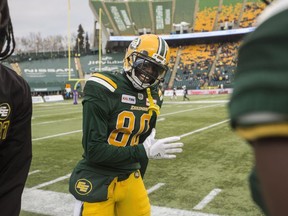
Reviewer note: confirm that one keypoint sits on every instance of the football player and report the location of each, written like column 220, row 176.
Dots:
column 259, row 106
column 15, row 124
column 119, row 119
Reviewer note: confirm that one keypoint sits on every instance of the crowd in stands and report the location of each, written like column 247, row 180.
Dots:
column 199, row 65
column 251, row 11
column 223, row 17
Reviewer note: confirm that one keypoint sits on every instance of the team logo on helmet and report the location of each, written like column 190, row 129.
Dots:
column 83, row 186
column 135, row 43
column 4, row 111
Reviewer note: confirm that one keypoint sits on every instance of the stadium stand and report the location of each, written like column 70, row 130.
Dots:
column 195, row 63
column 206, row 16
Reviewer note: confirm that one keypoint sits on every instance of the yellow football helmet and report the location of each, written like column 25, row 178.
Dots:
column 146, row 61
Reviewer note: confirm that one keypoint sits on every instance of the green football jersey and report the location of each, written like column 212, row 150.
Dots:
column 115, row 121
column 259, row 103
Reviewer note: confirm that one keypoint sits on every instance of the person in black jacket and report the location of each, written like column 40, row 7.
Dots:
column 15, row 124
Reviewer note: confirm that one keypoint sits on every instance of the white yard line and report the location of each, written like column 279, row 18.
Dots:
column 50, row 182
column 204, row 128
column 207, row 199
column 33, row 172
column 64, row 113
column 155, row 187
column 196, row 102
column 181, row 111
column 77, row 131
column 59, row 204
column 51, row 122
column 160, row 119
column 56, row 135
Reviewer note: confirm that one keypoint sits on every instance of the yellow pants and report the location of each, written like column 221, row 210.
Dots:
column 125, row 198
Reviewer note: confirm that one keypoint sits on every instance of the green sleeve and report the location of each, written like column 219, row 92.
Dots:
column 261, row 80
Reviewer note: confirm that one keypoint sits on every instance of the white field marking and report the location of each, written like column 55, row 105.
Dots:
column 62, row 203
column 160, row 119
column 204, row 128
column 51, row 104
column 50, row 122
column 77, row 131
column 47, row 108
column 40, row 110
column 196, row 102
column 56, row 135
column 50, row 182
column 68, row 133
column 37, row 116
column 33, row 172
column 203, row 107
column 59, row 204
column 155, row 187
column 207, row 199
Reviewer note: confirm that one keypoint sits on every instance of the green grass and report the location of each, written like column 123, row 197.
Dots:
column 212, row 158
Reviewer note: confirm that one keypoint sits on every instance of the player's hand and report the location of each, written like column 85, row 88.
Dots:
column 162, row 148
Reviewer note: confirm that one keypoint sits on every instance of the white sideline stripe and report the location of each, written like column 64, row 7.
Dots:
column 155, row 187
column 37, row 116
column 43, row 110
column 77, row 131
column 160, row 119
column 56, row 135
column 196, row 102
column 33, row 172
column 203, row 107
column 50, row 182
column 204, row 128
column 49, row 122
column 207, row 199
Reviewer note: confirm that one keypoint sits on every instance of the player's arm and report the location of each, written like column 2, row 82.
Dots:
column 271, row 155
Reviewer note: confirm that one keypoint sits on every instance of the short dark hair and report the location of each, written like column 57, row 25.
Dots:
column 6, row 32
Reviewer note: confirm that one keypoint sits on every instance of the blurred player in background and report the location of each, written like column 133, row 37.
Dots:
column 185, row 92
column 174, row 94
column 119, row 119
column 15, row 124
column 259, row 106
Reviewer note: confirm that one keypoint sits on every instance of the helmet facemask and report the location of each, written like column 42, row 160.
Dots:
column 145, row 71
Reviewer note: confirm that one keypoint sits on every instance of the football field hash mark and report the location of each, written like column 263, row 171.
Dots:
column 155, row 187
column 56, row 135
column 55, row 207
column 207, row 199
column 33, row 172
column 51, row 182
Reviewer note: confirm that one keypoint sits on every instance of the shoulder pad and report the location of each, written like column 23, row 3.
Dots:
column 104, row 80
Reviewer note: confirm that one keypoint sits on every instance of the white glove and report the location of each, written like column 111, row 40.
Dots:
column 162, row 148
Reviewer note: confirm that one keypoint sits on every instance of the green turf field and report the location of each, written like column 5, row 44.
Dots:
column 214, row 164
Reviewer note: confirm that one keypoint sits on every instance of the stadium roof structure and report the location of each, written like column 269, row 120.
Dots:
column 136, row 17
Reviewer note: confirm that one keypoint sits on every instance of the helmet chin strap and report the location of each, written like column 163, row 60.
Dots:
column 152, row 106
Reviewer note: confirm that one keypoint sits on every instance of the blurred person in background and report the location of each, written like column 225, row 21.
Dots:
column 259, row 106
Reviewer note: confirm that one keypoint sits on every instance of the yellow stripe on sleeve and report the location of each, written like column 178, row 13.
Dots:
column 263, row 131
column 112, row 83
